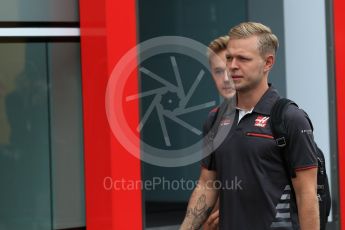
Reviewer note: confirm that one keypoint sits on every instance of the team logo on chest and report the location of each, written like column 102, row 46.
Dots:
column 261, row 121
column 225, row 121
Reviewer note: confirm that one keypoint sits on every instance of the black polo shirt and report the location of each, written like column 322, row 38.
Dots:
column 255, row 191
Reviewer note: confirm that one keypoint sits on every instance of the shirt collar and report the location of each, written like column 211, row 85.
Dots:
column 267, row 101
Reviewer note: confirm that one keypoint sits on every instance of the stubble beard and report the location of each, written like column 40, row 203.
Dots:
column 250, row 86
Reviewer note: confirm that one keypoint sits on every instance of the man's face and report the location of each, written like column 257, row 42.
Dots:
column 247, row 67
column 221, row 75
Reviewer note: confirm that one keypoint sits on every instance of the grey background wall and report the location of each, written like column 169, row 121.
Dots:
column 66, row 136
column 41, row 139
column 271, row 13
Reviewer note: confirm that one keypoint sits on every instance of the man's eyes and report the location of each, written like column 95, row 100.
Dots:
column 240, row 58
column 243, row 59
column 219, row 71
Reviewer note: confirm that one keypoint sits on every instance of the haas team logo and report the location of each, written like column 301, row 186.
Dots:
column 261, row 121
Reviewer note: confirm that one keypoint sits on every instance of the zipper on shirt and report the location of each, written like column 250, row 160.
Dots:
column 267, row 136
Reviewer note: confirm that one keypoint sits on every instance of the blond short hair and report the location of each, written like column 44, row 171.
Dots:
column 217, row 45
column 268, row 42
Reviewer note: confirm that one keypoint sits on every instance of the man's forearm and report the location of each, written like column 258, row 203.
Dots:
column 305, row 184
column 199, row 208
column 196, row 214
column 308, row 212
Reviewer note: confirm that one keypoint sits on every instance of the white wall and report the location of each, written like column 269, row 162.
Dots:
column 306, row 64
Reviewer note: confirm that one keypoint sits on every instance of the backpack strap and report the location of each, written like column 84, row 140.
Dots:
column 278, row 126
column 277, row 121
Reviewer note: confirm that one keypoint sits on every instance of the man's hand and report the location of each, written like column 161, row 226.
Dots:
column 305, row 186
column 213, row 220
column 201, row 202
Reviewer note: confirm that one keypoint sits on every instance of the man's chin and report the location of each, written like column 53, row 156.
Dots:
column 240, row 87
column 228, row 96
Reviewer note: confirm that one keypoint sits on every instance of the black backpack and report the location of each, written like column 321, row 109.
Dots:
column 281, row 138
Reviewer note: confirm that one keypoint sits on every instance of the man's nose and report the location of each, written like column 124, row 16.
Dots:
column 231, row 64
column 227, row 75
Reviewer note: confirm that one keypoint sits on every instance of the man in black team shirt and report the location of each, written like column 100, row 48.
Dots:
column 224, row 84
column 249, row 156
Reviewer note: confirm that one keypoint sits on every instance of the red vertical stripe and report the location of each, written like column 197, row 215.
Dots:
column 108, row 31
column 339, row 32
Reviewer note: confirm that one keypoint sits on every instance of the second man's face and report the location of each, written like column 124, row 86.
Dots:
column 221, row 75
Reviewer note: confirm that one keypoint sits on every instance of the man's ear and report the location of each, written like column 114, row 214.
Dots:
column 269, row 61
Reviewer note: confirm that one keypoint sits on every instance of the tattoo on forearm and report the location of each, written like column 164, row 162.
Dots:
column 199, row 213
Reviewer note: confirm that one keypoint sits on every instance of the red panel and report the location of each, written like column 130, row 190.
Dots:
column 339, row 30
column 108, row 31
